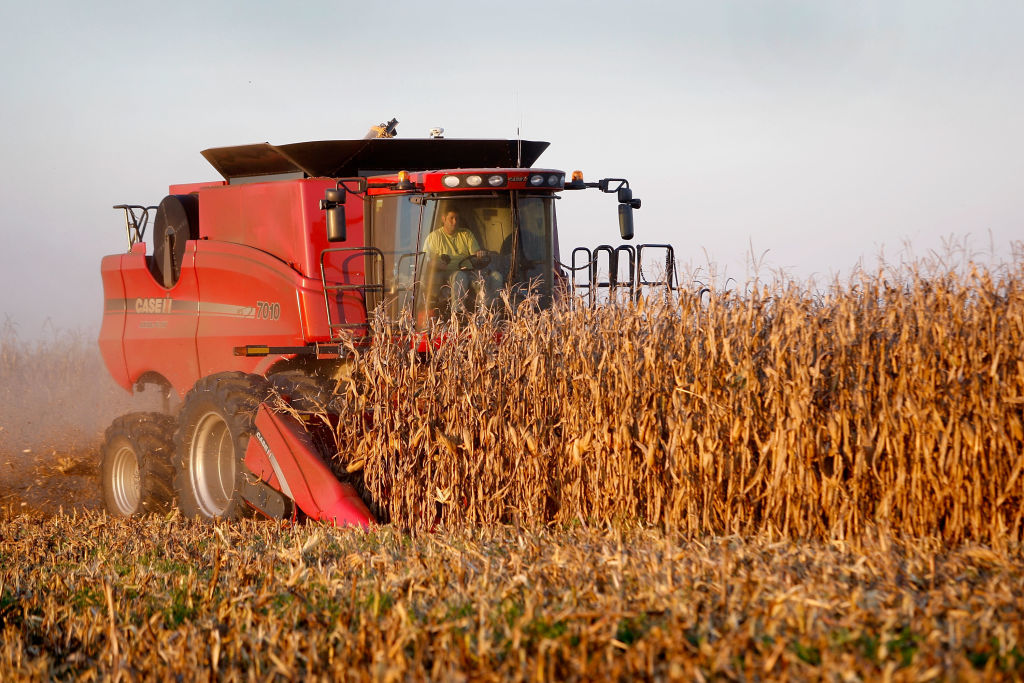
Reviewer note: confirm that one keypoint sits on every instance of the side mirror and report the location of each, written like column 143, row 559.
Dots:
column 334, row 204
column 336, row 224
column 626, row 197
column 626, row 221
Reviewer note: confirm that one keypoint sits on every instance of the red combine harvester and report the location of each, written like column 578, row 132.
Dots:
column 263, row 280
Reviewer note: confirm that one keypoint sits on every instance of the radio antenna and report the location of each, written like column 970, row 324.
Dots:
column 519, row 137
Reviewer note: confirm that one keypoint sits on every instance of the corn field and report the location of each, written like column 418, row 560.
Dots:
column 774, row 483
column 88, row 597
column 892, row 400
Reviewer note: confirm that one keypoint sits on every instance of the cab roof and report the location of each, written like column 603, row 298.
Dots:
column 350, row 158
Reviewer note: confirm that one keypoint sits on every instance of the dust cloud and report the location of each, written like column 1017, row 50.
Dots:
column 56, row 400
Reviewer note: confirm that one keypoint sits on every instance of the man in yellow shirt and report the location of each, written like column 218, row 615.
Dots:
column 452, row 241
column 450, row 248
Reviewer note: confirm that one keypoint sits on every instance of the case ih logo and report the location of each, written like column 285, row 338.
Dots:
column 153, row 305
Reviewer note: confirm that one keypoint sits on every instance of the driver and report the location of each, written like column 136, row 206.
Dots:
column 452, row 241
column 448, row 248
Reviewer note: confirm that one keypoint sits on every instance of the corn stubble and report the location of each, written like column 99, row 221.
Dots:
column 893, row 400
column 89, row 597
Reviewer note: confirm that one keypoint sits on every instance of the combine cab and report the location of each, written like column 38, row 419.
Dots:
column 262, row 281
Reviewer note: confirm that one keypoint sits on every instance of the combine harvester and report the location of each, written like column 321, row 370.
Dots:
column 266, row 278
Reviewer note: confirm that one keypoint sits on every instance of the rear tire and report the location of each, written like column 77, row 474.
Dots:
column 136, row 470
column 215, row 425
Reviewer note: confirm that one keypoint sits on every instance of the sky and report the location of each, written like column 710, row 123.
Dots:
column 804, row 135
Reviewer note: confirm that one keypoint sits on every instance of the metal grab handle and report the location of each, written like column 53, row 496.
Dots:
column 378, row 260
column 135, row 224
column 586, row 267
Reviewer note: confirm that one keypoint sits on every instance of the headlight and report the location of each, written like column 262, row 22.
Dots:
column 474, row 180
column 450, row 181
column 495, row 180
column 553, row 180
column 536, row 180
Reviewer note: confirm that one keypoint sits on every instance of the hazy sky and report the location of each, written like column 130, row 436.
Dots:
column 819, row 131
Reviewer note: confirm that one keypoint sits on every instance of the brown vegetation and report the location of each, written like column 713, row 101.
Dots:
column 894, row 399
column 774, row 484
column 89, row 596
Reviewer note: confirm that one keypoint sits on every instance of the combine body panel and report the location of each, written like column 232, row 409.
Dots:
column 160, row 324
column 246, row 294
column 280, row 218
column 258, row 283
column 111, row 340
column 254, row 274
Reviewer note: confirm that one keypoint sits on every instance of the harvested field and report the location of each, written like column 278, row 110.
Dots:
column 163, row 597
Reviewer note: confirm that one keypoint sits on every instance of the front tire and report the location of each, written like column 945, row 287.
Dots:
column 215, row 425
column 135, row 464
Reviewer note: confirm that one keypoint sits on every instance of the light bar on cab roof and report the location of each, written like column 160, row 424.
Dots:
column 469, row 179
column 549, row 179
column 453, row 180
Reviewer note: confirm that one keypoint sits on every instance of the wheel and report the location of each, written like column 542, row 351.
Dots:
column 136, row 470
column 472, row 262
column 214, row 427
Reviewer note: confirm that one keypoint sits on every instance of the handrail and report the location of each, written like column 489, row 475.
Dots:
column 670, row 267
column 336, row 328
column 135, row 224
column 574, row 269
column 634, row 280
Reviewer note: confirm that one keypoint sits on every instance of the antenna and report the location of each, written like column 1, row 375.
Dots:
column 519, row 137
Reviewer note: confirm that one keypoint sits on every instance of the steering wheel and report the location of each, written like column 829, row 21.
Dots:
column 471, row 262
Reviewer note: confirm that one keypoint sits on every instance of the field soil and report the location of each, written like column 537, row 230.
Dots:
column 45, row 480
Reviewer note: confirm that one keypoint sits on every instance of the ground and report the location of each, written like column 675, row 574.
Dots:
column 44, row 480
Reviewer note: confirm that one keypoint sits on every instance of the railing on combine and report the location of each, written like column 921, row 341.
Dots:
column 586, row 273
column 136, row 218
column 375, row 258
column 671, row 281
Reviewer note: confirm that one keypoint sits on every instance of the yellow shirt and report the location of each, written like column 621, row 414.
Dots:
column 457, row 247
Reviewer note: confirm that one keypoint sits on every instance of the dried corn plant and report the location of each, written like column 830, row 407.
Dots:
column 892, row 399
column 88, row 597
